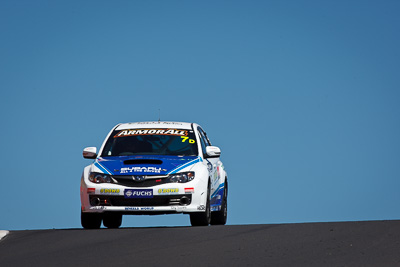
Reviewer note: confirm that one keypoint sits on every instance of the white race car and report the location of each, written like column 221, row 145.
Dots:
column 154, row 168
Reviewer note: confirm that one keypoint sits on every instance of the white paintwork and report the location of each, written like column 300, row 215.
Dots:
column 3, row 233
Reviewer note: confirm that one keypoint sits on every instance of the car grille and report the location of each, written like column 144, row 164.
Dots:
column 127, row 180
column 168, row 200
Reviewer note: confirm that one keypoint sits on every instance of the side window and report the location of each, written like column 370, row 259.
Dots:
column 203, row 145
column 204, row 137
column 203, row 140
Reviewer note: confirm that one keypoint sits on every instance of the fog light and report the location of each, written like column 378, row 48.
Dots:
column 95, row 201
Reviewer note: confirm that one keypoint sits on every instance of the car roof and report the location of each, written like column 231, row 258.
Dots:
column 154, row 124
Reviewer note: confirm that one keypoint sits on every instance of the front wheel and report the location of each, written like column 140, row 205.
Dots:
column 91, row 220
column 202, row 218
column 112, row 220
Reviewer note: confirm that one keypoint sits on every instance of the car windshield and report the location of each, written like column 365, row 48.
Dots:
column 151, row 142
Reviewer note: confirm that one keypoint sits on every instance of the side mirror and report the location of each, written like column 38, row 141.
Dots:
column 89, row 153
column 213, row 151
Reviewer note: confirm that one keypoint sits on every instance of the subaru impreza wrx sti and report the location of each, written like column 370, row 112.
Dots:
column 147, row 168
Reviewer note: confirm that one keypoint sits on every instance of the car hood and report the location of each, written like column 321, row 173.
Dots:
column 144, row 165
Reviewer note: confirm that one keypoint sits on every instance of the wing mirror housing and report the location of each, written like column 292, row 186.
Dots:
column 89, row 153
column 213, row 152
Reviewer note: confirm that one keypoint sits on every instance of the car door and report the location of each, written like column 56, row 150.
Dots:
column 212, row 162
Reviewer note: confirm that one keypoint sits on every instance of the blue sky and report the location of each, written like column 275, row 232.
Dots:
column 302, row 97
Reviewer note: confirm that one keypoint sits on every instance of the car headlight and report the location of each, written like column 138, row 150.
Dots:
column 182, row 177
column 96, row 177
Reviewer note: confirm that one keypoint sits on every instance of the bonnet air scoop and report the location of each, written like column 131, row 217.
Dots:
column 143, row 161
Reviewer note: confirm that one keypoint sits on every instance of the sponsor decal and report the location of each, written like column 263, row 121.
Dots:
column 201, row 207
column 97, row 208
column 189, row 190
column 168, row 190
column 179, row 208
column 139, row 208
column 91, row 190
column 138, row 193
column 133, row 132
column 216, row 176
column 141, row 169
column 109, row 191
column 215, row 208
column 184, row 138
column 215, row 180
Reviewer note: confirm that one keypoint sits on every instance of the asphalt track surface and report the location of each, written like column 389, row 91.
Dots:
column 369, row 243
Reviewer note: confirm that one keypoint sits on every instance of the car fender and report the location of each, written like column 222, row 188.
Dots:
column 83, row 187
column 202, row 178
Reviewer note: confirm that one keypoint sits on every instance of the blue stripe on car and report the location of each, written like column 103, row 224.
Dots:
column 221, row 186
column 102, row 168
column 187, row 164
column 216, row 202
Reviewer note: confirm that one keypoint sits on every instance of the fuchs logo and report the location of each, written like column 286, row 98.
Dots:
column 140, row 169
column 138, row 193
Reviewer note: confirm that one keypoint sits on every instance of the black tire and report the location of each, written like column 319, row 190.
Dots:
column 111, row 220
column 219, row 217
column 91, row 220
column 202, row 218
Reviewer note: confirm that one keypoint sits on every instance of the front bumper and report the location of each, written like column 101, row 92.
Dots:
column 166, row 198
